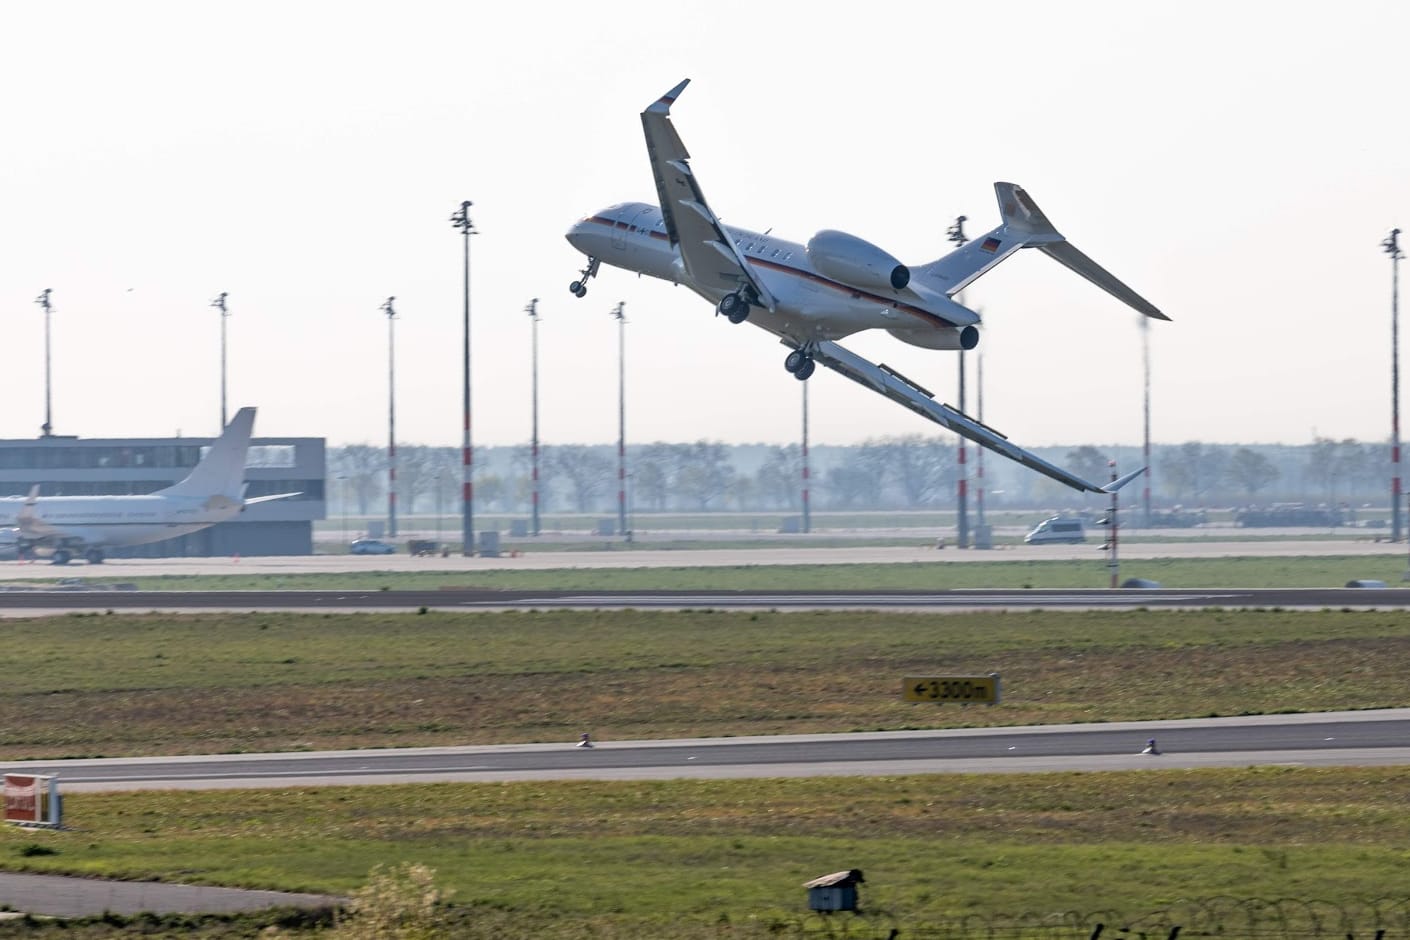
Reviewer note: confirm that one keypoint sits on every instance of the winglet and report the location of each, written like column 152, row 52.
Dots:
column 1115, row 485
column 663, row 104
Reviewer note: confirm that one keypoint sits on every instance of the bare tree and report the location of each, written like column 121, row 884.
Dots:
column 364, row 467
column 707, row 473
column 587, row 471
column 780, row 480
column 1251, row 471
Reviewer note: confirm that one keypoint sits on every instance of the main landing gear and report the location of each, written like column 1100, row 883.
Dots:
column 734, row 307
column 800, row 363
column 579, row 287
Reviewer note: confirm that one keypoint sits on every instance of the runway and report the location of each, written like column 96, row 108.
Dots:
column 1327, row 739
column 36, row 603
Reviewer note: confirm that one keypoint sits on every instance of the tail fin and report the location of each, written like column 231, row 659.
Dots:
column 1024, row 226
column 222, row 471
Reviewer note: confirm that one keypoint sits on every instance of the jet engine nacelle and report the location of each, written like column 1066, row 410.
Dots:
column 855, row 261
column 941, row 337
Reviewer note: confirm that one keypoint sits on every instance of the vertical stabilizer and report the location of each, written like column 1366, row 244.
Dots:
column 222, row 471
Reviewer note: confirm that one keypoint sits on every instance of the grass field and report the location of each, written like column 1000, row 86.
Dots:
column 623, row 859
column 1272, row 572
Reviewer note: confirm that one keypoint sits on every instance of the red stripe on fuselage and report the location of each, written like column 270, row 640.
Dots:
column 855, row 292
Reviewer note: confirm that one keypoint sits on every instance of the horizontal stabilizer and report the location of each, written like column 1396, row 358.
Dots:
column 1115, row 485
column 1067, row 254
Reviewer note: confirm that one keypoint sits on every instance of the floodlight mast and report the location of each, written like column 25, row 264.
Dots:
column 43, row 301
column 460, row 219
column 219, row 304
column 1391, row 246
column 619, row 312
column 533, row 311
column 955, row 233
column 391, row 313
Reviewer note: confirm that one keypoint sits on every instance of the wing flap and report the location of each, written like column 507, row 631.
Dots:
column 859, row 370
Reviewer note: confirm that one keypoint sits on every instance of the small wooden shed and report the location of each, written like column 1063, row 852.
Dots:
column 834, row 892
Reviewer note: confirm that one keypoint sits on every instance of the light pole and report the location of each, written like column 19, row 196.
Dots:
column 219, row 304
column 619, row 312
column 43, row 301
column 1146, row 443
column 984, row 538
column 533, row 311
column 342, row 478
column 460, row 219
column 1112, row 563
column 1391, row 246
column 391, row 313
column 955, row 233
column 807, row 508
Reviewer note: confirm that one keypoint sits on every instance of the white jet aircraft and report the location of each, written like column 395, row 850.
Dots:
column 213, row 492
column 837, row 284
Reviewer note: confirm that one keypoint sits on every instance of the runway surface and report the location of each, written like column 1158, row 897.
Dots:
column 1336, row 738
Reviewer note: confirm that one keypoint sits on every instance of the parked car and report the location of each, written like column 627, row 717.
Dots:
column 371, row 547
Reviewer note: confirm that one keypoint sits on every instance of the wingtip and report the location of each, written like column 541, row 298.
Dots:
column 663, row 104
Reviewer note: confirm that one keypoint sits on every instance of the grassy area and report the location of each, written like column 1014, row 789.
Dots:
column 142, row 684
column 630, row 858
column 938, row 575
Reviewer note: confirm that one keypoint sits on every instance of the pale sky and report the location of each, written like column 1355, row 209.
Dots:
column 1236, row 163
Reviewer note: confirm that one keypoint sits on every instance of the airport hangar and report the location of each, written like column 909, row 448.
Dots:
column 72, row 466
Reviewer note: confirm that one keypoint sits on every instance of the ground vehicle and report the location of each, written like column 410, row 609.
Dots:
column 371, row 547
column 1057, row 529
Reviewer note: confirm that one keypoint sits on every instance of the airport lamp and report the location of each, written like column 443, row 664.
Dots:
column 460, row 219
column 955, row 233
column 43, row 301
column 533, row 311
column 391, row 313
column 1391, row 246
column 219, row 304
column 619, row 312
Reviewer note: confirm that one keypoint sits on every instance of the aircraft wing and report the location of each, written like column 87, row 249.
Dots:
column 710, row 256
column 897, row 388
column 269, row 499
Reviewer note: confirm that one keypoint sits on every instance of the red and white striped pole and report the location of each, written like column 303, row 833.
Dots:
column 391, row 313
column 461, row 220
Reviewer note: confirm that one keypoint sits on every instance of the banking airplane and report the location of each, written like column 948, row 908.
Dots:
column 811, row 295
column 213, row 492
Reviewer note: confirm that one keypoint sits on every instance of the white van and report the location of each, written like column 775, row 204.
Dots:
column 1057, row 529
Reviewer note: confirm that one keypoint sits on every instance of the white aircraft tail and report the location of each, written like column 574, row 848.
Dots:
column 222, row 471
column 1024, row 226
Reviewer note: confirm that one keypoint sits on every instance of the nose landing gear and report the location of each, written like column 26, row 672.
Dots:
column 579, row 287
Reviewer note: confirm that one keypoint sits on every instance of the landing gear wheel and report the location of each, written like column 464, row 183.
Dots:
column 94, row 556
column 805, row 370
column 733, row 308
column 795, row 360
column 62, row 556
column 578, row 289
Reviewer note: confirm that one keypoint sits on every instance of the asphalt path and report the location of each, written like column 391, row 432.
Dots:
column 1335, row 738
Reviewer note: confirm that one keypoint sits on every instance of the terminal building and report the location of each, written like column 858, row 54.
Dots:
column 70, row 466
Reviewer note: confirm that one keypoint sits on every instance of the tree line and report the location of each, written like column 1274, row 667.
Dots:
column 900, row 472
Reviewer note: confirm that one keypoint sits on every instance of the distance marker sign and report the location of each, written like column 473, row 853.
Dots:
column 969, row 690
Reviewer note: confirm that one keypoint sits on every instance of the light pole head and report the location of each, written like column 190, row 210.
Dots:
column 219, row 303
column 1390, row 246
column 620, row 311
column 533, row 309
column 955, row 233
column 388, row 309
column 460, row 218
column 43, row 298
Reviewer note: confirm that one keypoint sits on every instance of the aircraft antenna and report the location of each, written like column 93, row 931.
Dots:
column 43, row 301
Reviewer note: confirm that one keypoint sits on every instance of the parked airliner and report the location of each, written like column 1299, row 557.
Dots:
column 836, row 285
column 213, row 492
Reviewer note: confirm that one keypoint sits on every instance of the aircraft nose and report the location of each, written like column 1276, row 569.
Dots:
column 578, row 235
